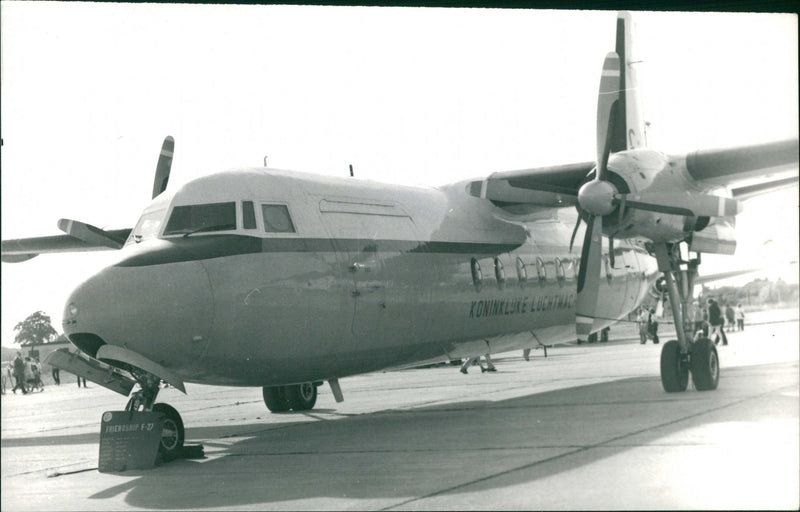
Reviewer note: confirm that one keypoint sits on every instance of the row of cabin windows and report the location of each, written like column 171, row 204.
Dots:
column 564, row 269
column 222, row 217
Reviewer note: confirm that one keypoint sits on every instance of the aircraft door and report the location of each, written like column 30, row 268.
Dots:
column 382, row 303
column 370, row 246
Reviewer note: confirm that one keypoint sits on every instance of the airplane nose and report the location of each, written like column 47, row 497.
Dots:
column 163, row 312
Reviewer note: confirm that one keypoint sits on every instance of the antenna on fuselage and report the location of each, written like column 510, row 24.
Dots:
column 265, row 160
column 351, row 170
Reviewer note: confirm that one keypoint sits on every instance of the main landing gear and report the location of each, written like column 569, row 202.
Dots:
column 297, row 397
column 684, row 355
column 173, row 433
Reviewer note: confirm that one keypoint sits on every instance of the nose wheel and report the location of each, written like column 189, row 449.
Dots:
column 173, row 433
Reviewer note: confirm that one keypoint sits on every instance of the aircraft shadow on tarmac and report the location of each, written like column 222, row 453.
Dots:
column 435, row 450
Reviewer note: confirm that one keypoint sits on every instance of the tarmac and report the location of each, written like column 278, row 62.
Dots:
column 589, row 427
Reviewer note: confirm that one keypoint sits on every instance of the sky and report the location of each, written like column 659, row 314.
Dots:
column 406, row 95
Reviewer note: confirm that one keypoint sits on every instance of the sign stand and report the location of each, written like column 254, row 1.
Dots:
column 129, row 440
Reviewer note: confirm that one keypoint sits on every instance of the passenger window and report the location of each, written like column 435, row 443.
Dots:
column 540, row 270
column 522, row 273
column 477, row 275
column 559, row 272
column 197, row 218
column 248, row 215
column 499, row 273
column 277, row 219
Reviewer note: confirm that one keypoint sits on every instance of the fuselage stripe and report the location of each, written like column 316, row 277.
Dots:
column 173, row 250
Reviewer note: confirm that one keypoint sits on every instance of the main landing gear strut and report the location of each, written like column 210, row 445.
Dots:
column 172, row 434
column 686, row 354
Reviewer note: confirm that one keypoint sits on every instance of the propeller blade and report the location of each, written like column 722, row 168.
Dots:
column 574, row 232
column 659, row 208
column 589, row 278
column 692, row 205
column 611, row 251
column 607, row 99
column 90, row 234
column 164, row 165
column 622, row 202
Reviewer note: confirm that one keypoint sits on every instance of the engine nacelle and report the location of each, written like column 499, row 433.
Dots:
column 642, row 170
column 718, row 238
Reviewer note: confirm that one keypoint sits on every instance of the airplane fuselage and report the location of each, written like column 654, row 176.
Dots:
column 321, row 278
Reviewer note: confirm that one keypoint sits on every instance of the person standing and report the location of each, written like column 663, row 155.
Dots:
column 641, row 321
column 79, row 381
column 36, row 375
column 705, row 322
column 488, row 368
column 468, row 363
column 652, row 325
column 717, row 322
column 19, row 374
column 740, row 317
column 695, row 317
column 526, row 354
column 730, row 317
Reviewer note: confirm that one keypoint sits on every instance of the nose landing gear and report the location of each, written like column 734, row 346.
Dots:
column 172, row 433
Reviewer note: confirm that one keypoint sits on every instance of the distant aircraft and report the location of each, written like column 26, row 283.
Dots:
column 262, row 277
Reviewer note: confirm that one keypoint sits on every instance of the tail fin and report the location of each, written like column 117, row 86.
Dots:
column 629, row 128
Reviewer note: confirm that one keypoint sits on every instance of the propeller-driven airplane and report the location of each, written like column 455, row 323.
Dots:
column 283, row 280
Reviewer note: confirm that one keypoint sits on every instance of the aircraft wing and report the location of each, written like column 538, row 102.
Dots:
column 544, row 186
column 558, row 185
column 23, row 249
column 727, row 166
column 710, row 278
column 81, row 236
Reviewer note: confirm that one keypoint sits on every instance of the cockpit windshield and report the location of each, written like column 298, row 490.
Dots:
column 148, row 226
column 197, row 218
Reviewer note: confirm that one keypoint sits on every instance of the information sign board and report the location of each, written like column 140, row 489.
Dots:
column 129, row 440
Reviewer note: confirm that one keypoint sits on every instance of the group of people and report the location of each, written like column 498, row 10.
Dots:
column 490, row 367
column 648, row 325
column 25, row 374
column 708, row 321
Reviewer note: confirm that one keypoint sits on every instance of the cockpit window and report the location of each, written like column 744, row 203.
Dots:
column 277, row 219
column 148, row 226
column 197, row 218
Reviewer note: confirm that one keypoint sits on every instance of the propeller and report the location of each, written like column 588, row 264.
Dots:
column 595, row 198
column 163, row 167
column 599, row 197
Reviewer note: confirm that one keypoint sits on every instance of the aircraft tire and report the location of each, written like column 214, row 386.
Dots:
column 275, row 398
column 704, row 365
column 172, row 435
column 674, row 372
column 302, row 397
